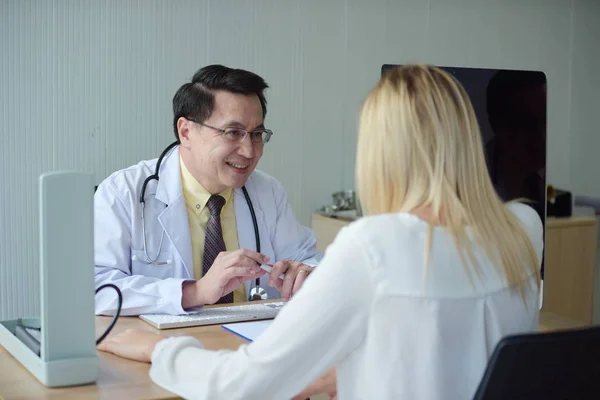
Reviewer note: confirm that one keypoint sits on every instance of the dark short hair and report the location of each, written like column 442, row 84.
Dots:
column 196, row 99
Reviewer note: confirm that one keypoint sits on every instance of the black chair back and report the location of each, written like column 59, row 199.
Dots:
column 559, row 365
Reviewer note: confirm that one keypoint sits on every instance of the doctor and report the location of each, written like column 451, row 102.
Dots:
column 182, row 231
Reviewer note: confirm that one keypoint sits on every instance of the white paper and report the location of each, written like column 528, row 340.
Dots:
column 248, row 330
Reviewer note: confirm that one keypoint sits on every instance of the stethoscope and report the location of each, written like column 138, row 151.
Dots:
column 257, row 292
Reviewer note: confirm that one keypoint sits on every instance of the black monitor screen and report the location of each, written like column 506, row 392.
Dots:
column 511, row 110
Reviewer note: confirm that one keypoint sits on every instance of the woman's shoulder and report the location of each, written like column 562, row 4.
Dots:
column 524, row 212
column 528, row 217
column 377, row 237
column 382, row 221
column 381, row 228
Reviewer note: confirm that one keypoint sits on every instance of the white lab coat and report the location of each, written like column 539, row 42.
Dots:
column 151, row 288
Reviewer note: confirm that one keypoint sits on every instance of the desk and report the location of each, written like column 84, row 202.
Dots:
column 123, row 379
column 118, row 378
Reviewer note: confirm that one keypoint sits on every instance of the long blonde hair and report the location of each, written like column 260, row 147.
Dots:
column 420, row 146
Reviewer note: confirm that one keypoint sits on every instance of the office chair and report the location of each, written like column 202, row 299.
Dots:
column 559, row 365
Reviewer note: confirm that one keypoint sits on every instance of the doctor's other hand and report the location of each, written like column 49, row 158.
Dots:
column 134, row 344
column 228, row 271
column 295, row 273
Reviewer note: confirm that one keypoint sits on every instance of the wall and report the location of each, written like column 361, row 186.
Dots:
column 88, row 85
column 584, row 133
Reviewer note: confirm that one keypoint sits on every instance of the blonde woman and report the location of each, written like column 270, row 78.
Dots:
column 410, row 300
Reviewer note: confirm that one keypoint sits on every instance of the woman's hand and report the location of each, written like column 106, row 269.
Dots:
column 326, row 384
column 134, row 344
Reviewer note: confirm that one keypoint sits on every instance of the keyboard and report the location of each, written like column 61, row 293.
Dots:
column 215, row 315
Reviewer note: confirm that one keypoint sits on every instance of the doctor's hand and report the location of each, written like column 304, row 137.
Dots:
column 295, row 273
column 228, row 271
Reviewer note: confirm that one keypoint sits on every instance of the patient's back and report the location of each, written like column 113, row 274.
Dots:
column 431, row 337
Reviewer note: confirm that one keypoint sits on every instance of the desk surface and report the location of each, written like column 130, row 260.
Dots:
column 120, row 378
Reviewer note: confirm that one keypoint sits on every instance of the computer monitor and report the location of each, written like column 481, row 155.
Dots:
column 510, row 106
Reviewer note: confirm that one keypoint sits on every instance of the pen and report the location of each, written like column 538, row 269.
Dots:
column 268, row 268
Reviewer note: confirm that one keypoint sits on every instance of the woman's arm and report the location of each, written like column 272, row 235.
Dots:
column 320, row 326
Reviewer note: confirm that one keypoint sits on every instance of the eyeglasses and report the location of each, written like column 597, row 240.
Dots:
column 238, row 135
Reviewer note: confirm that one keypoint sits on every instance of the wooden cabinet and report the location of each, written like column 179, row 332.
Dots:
column 570, row 262
column 570, row 266
column 326, row 228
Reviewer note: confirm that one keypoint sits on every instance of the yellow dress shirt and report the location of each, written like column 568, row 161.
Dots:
column 196, row 198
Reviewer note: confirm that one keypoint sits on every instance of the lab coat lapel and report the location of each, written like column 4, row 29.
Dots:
column 174, row 218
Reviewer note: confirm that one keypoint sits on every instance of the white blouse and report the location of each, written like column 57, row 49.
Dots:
column 392, row 331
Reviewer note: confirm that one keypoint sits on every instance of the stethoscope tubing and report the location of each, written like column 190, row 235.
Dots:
column 155, row 176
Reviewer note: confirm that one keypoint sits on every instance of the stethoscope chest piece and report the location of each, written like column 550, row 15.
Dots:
column 258, row 293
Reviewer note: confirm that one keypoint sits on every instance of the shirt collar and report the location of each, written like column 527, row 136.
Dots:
column 194, row 193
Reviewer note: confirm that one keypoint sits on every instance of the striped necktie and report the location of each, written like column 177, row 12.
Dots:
column 214, row 243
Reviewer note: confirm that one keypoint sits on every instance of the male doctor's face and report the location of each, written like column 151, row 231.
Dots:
column 216, row 162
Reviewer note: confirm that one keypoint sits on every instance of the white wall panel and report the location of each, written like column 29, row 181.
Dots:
column 584, row 132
